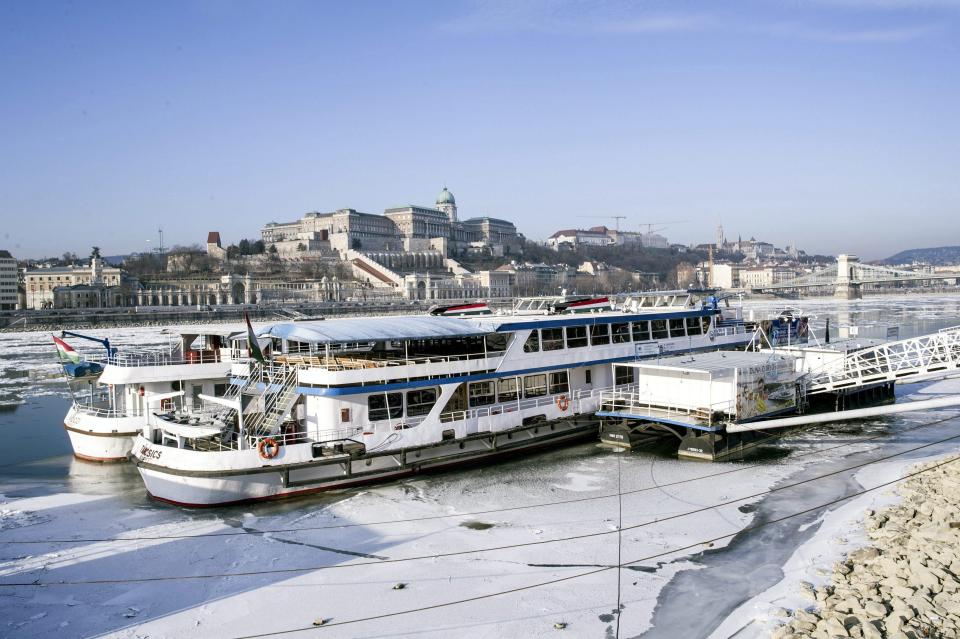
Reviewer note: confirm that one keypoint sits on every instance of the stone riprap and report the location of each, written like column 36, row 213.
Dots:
column 906, row 582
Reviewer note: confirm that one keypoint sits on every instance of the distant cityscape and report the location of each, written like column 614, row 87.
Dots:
column 407, row 253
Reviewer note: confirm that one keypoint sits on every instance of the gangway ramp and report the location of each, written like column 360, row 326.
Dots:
column 914, row 359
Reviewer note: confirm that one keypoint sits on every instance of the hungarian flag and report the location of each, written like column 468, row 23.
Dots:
column 253, row 347
column 65, row 351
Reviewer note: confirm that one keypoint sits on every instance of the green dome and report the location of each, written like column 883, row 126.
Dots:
column 445, row 197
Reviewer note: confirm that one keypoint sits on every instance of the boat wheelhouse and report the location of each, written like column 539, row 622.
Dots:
column 349, row 401
column 110, row 410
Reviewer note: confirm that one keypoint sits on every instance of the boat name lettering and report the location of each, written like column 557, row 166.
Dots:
column 149, row 453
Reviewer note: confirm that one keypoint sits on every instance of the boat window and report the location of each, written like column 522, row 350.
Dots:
column 496, row 342
column 576, row 336
column 641, row 331
column 534, row 386
column 457, row 403
column 676, row 328
column 659, row 328
column 693, row 326
column 481, row 394
column 587, row 377
column 532, row 345
column 621, row 333
column 705, row 323
column 600, row 334
column 622, row 375
column 195, row 396
column 508, row 388
column 219, row 390
column 552, row 339
column 377, row 406
column 297, row 347
column 421, row 402
column 559, row 383
column 468, row 345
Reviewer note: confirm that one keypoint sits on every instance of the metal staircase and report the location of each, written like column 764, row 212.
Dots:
column 913, row 359
column 277, row 385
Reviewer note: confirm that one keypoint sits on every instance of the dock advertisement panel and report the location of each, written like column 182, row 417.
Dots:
column 764, row 390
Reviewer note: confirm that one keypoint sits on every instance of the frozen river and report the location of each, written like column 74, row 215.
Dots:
column 522, row 545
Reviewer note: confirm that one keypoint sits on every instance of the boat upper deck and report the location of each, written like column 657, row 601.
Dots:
column 198, row 352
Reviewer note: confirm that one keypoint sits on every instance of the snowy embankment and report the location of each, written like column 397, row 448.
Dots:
column 866, row 572
column 907, row 579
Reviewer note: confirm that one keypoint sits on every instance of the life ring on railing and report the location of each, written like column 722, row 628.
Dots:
column 268, row 448
column 563, row 402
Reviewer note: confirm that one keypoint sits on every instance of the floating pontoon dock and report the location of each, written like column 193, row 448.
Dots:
column 720, row 404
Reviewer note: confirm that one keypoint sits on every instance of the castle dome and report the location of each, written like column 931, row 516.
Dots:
column 446, row 197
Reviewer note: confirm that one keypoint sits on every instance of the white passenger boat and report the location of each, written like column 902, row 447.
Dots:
column 349, row 401
column 109, row 410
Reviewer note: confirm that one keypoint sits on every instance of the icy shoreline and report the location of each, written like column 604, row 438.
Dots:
column 875, row 567
column 906, row 579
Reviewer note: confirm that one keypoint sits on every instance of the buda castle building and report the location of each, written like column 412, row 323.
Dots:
column 400, row 229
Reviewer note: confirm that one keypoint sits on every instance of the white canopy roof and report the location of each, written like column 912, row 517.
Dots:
column 369, row 329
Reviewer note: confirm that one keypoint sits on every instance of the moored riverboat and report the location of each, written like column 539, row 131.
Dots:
column 344, row 402
column 109, row 408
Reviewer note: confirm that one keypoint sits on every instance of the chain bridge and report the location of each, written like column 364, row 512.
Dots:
column 849, row 275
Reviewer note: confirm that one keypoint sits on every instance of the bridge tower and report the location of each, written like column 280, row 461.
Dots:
column 848, row 286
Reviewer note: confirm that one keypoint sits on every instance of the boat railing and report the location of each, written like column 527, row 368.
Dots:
column 228, row 440
column 98, row 409
column 341, row 363
column 724, row 330
column 629, row 399
column 565, row 401
column 133, row 358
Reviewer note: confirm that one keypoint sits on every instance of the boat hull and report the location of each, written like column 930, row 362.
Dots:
column 171, row 481
column 100, row 439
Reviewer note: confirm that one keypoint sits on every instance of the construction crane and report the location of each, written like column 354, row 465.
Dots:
column 661, row 225
column 617, row 218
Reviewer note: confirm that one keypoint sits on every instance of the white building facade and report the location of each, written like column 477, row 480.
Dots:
column 40, row 284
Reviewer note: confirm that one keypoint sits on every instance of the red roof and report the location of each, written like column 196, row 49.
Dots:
column 213, row 237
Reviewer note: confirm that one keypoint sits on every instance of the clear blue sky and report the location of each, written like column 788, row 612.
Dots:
column 829, row 123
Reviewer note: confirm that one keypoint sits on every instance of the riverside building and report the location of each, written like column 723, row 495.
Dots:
column 397, row 229
column 8, row 281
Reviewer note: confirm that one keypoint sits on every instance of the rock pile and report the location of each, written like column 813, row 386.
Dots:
column 906, row 583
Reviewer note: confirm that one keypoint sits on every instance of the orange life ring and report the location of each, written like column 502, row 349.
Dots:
column 563, row 402
column 268, row 448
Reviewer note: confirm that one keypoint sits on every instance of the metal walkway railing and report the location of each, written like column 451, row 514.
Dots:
column 913, row 359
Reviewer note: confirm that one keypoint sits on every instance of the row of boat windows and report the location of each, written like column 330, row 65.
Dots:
column 546, row 339
column 390, row 405
column 506, row 389
column 554, row 339
column 470, row 344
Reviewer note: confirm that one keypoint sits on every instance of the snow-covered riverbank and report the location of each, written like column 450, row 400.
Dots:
column 906, row 579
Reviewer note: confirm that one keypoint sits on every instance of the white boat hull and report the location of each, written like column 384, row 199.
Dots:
column 242, row 476
column 100, row 439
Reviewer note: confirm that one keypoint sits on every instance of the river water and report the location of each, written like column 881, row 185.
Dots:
column 45, row 494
